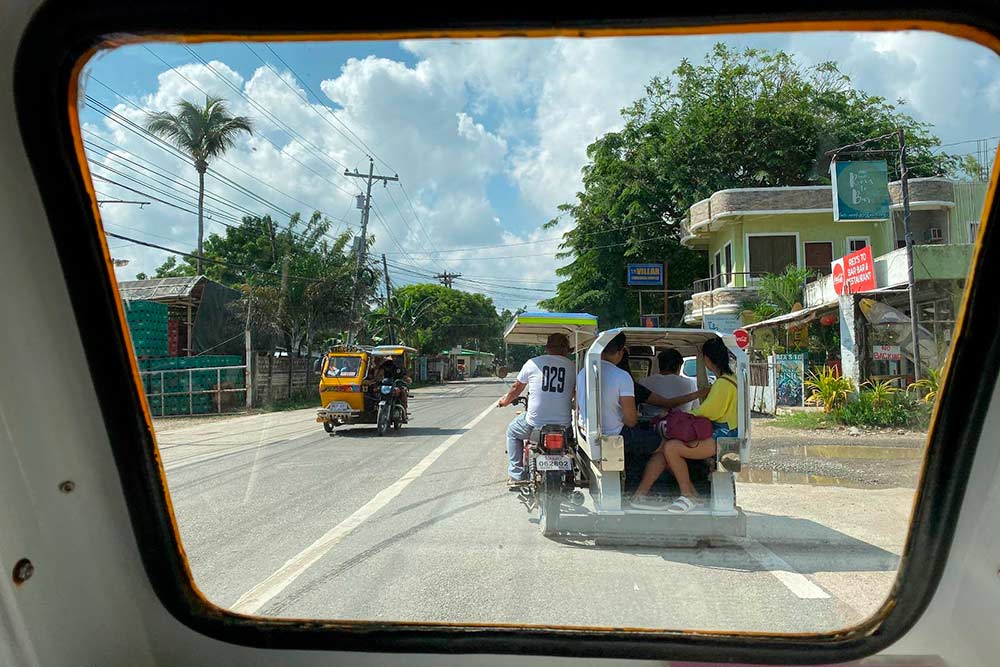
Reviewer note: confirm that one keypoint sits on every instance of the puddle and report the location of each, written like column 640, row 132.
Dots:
column 778, row 477
column 854, row 452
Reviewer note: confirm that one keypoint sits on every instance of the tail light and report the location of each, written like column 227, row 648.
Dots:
column 552, row 441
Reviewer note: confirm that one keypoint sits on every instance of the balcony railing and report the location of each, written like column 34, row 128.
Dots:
column 737, row 279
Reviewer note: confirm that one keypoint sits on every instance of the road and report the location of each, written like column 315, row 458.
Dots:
column 278, row 518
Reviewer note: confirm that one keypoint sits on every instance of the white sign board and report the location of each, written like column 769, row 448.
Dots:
column 723, row 324
column 887, row 353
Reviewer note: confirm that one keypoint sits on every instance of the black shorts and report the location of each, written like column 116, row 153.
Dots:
column 640, row 439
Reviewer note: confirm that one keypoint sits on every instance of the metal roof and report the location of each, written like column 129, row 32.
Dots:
column 160, row 289
column 534, row 328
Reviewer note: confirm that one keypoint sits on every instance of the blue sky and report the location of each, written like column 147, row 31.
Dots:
column 488, row 136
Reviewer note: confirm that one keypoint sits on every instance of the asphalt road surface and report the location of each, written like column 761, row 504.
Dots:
column 279, row 518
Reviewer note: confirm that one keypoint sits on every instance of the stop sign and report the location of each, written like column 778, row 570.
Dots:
column 742, row 338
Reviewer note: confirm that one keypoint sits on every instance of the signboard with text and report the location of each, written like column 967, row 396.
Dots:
column 645, row 275
column 854, row 273
column 887, row 353
column 860, row 190
column 724, row 324
column 651, row 321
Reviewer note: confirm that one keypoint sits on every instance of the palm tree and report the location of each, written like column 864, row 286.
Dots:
column 202, row 133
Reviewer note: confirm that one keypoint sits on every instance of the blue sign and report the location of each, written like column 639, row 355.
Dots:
column 645, row 275
column 860, row 190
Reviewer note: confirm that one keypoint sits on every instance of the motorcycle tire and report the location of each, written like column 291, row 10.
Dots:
column 397, row 420
column 549, row 503
column 382, row 421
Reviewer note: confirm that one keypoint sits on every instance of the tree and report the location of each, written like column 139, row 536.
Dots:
column 752, row 118
column 203, row 133
column 433, row 318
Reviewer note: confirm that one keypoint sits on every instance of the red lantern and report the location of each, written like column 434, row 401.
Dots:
column 828, row 319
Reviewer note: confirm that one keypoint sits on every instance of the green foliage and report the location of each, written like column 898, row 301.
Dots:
column 828, row 388
column 201, row 132
column 896, row 411
column 784, row 290
column 433, row 318
column 751, row 118
column 803, row 420
column 928, row 387
column 880, row 393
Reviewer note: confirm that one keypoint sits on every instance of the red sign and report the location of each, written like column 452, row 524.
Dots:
column 742, row 338
column 854, row 273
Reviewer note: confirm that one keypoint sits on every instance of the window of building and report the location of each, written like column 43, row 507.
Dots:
column 819, row 255
column 771, row 253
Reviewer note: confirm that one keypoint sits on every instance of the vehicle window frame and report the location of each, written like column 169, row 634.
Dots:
column 55, row 48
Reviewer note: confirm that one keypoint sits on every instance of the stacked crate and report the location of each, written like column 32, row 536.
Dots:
column 147, row 323
column 174, row 338
column 179, row 374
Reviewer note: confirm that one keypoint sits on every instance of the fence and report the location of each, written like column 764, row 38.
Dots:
column 281, row 378
column 195, row 391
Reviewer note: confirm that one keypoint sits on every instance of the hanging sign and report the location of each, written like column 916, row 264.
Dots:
column 860, row 190
column 645, row 275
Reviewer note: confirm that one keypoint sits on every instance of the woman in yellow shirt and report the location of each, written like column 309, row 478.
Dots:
column 720, row 407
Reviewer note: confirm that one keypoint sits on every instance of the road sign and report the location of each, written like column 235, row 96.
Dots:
column 860, row 190
column 742, row 338
column 645, row 275
column 854, row 273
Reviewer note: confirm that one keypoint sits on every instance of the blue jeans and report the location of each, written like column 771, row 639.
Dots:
column 517, row 432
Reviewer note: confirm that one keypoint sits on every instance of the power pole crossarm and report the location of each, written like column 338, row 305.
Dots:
column 370, row 177
column 448, row 279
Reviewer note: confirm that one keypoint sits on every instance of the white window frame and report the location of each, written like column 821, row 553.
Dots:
column 847, row 243
column 730, row 278
column 746, row 250
column 972, row 229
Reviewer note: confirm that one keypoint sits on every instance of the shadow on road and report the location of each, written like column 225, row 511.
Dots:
column 361, row 432
column 806, row 545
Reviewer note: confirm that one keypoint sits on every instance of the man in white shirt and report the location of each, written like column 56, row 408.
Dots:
column 618, row 408
column 550, row 381
column 669, row 383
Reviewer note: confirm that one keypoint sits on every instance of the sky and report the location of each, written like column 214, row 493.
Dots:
column 487, row 137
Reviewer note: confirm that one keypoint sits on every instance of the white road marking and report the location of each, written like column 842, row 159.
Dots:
column 256, row 457
column 258, row 596
column 794, row 581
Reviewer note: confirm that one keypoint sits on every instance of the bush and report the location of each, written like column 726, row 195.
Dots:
column 894, row 410
column 829, row 389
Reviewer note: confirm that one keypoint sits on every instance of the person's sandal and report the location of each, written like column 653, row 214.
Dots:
column 644, row 504
column 682, row 505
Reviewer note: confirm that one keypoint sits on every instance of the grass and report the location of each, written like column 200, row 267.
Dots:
column 804, row 420
column 302, row 401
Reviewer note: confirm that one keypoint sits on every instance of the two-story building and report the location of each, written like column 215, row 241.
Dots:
column 749, row 232
column 746, row 233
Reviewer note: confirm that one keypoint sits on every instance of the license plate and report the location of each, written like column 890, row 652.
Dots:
column 338, row 407
column 546, row 462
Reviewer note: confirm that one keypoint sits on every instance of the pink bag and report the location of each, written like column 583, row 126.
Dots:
column 683, row 426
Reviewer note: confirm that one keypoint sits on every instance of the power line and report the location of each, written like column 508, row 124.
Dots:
column 333, row 115
column 257, row 106
column 302, row 97
column 225, row 179
column 235, row 267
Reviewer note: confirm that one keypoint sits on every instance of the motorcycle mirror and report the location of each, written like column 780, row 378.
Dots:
column 502, row 372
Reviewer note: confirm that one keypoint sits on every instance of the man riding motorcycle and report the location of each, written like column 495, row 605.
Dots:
column 551, row 381
column 392, row 371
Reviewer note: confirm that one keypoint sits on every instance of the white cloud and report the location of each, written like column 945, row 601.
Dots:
column 470, row 112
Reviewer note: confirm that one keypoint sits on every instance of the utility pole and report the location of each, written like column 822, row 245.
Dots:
column 447, row 279
column 908, row 236
column 900, row 151
column 388, row 298
column 666, row 295
column 371, row 177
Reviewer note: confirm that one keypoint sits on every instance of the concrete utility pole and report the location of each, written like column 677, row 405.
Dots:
column 388, row 298
column 447, row 279
column 370, row 177
column 908, row 236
